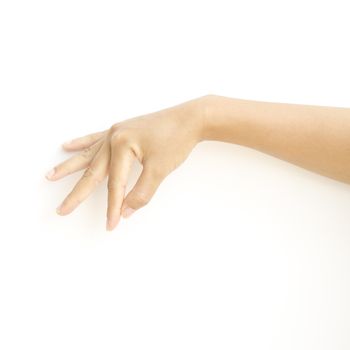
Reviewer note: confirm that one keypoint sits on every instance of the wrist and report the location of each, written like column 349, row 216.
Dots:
column 208, row 106
column 225, row 119
column 194, row 115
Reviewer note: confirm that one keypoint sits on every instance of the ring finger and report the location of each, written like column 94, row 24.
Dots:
column 75, row 163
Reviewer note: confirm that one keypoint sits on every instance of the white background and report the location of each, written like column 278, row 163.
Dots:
column 237, row 249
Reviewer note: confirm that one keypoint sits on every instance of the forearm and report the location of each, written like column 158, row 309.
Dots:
column 314, row 137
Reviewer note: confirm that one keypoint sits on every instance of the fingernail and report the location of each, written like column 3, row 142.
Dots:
column 109, row 226
column 58, row 210
column 127, row 212
column 50, row 174
column 112, row 223
column 67, row 143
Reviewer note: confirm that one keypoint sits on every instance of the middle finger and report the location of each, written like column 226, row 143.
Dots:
column 75, row 163
column 93, row 175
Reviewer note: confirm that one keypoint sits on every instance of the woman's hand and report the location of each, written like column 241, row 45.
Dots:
column 160, row 141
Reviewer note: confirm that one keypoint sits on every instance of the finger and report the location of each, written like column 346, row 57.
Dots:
column 75, row 163
column 80, row 143
column 93, row 175
column 144, row 189
column 122, row 158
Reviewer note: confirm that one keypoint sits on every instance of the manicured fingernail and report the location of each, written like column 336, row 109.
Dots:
column 58, row 210
column 50, row 174
column 127, row 212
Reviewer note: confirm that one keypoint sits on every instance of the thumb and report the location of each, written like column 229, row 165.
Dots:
column 144, row 189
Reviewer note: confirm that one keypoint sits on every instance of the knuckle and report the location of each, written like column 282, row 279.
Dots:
column 90, row 173
column 141, row 199
column 86, row 153
column 92, row 138
column 111, row 186
column 114, row 128
column 120, row 137
column 115, row 186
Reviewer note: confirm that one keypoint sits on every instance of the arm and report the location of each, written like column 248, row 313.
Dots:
column 314, row 137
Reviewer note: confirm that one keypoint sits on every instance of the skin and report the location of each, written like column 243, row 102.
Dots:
column 313, row 137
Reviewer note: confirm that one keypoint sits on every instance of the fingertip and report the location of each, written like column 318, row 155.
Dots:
column 108, row 225
column 111, row 224
column 49, row 175
column 62, row 210
column 127, row 212
column 68, row 147
column 67, row 143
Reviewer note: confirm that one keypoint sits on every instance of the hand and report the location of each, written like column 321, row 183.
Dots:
column 160, row 141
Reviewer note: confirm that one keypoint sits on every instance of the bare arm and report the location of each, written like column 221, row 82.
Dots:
column 314, row 137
